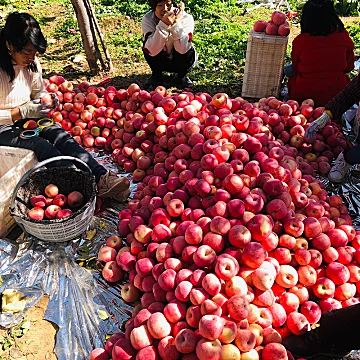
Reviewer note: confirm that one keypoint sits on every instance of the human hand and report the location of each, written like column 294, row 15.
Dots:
column 179, row 10
column 169, row 18
column 316, row 125
column 33, row 109
column 55, row 100
column 49, row 98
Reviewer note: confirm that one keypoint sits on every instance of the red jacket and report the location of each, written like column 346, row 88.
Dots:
column 320, row 64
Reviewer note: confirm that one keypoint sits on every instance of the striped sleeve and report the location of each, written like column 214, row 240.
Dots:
column 27, row 85
column 182, row 32
column 341, row 102
column 5, row 113
column 38, row 86
column 154, row 35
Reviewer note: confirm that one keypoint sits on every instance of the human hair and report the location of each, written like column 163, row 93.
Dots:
column 153, row 3
column 20, row 30
column 319, row 18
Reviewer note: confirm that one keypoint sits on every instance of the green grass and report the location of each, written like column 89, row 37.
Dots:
column 220, row 37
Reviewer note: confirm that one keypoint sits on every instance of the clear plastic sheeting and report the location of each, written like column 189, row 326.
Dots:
column 349, row 189
column 83, row 306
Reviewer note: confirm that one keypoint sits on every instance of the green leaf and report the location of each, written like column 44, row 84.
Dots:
column 25, row 324
column 103, row 315
column 20, row 344
column 17, row 332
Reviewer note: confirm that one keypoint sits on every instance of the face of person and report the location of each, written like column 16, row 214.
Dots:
column 24, row 57
column 162, row 7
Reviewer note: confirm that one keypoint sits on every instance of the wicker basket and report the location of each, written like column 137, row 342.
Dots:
column 67, row 179
column 265, row 56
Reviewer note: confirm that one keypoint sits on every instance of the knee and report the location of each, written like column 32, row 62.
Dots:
column 56, row 135
column 42, row 147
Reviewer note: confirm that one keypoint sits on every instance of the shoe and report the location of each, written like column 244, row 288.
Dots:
column 284, row 92
column 122, row 197
column 112, row 186
column 184, row 82
column 154, row 80
column 339, row 170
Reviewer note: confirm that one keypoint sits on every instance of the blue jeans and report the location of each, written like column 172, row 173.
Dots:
column 288, row 70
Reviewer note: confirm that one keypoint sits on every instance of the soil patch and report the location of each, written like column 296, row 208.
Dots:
column 35, row 344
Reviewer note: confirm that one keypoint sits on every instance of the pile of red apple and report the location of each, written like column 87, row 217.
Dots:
column 89, row 113
column 276, row 26
column 139, row 127
column 232, row 244
column 53, row 205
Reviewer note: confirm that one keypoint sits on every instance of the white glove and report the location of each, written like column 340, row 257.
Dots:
column 55, row 100
column 35, row 110
column 317, row 125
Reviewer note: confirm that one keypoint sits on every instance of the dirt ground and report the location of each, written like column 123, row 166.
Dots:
column 35, row 344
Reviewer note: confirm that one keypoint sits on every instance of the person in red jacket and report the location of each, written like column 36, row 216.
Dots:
column 321, row 55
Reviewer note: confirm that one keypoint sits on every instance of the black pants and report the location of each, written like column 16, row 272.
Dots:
column 341, row 327
column 352, row 156
column 52, row 141
column 180, row 64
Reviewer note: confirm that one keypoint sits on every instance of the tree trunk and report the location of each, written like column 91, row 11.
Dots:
column 87, row 35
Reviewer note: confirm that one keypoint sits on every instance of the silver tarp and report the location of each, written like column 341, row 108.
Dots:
column 83, row 306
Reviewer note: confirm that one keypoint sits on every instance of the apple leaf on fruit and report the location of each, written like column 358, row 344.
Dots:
column 103, row 315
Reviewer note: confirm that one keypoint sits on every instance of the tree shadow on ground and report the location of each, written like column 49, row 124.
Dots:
column 232, row 90
column 72, row 73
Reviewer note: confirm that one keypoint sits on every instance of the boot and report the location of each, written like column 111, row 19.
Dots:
column 156, row 79
column 183, row 81
column 112, row 186
column 336, row 336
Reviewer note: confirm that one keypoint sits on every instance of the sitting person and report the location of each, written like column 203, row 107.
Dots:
column 321, row 55
column 167, row 43
column 334, row 109
column 21, row 88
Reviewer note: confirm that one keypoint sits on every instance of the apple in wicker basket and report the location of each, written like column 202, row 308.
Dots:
column 36, row 213
column 75, row 199
column 277, row 25
column 260, row 26
column 42, row 209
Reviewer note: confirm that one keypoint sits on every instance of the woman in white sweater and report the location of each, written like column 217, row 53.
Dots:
column 21, row 89
column 167, row 42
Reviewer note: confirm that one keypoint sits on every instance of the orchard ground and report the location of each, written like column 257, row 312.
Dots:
column 221, row 43
column 220, row 38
